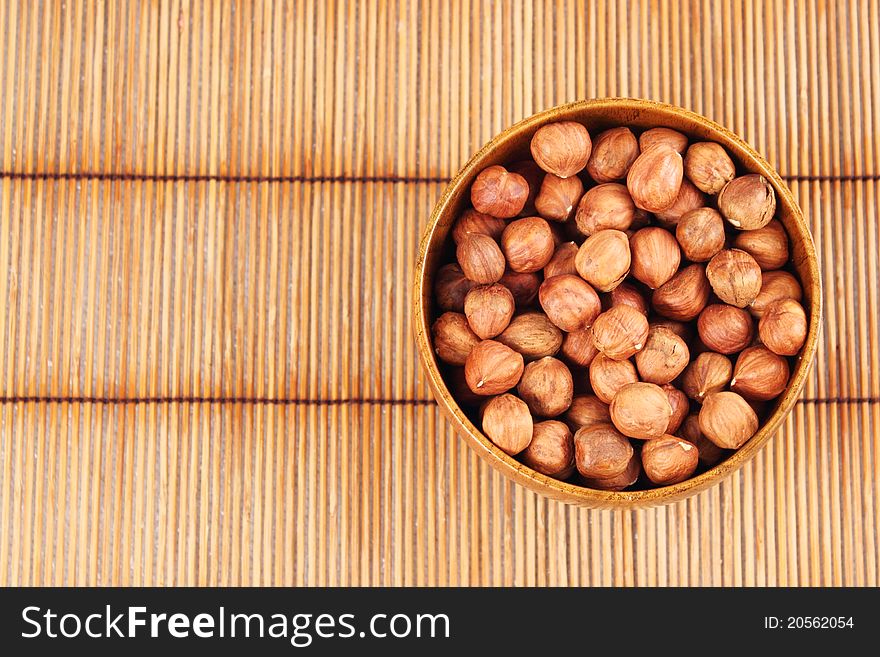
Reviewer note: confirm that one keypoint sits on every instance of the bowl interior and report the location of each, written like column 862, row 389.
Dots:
column 512, row 145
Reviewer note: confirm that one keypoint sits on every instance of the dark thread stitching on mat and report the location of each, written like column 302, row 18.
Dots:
column 267, row 401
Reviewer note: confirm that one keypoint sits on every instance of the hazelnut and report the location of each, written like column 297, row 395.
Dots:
column 607, row 376
column 783, row 327
column 472, row 221
column 499, row 192
column 508, row 423
column 578, row 347
column 767, row 245
column 569, row 302
column 561, row 148
column 689, row 198
column 488, row 309
column 747, row 202
column 453, row 338
column 522, row 285
column 669, row 460
column 655, row 256
column 759, row 375
column 735, row 277
column 620, row 482
column 620, row 332
column 654, row 178
column 627, row 294
column 664, row 356
column 458, row 386
column 700, row 233
column 681, row 329
column 480, row 258
column 603, row 259
column 684, row 296
column 527, row 244
column 641, row 410
column 614, row 151
column 725, row 329
column 601, row 451
column 709, row 452
column 534, row 176
column 558, row 197
column 587, row 410
column 562, row 261
column 709, row 372
column 533, row 335
column 708, row 166
column 680, row 407
column 640, row 220
column 551, row 451
column 775, row 285
column 603, row 207
column 727, row 419
column 546, row 386
column 451, row 287
column 492, row 368
column 672, row 138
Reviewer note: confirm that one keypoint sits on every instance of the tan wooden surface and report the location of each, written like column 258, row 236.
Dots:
column 209, row 214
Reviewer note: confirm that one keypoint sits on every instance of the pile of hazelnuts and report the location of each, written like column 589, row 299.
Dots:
column 618, row 313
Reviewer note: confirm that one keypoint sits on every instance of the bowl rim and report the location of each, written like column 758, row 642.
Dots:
column 569, row 492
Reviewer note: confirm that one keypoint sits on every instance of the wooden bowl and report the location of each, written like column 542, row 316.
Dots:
column 512, row 145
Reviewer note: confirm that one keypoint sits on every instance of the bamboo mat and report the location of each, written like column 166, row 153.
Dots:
column 209, row 215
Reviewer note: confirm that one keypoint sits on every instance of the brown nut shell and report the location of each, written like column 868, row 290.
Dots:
column 587, row 410
column 735, row 277
column 569, row 301
column 607, row 376
column 627, row 294
column 488, row 309
column 663, row 358
column 709, row 452
column 641, row 410
column 506, row 421
column 528, row 244
column 614, row 151
column 453, row 338
column 534, row 176
column 669, row 460
column 759, row 374
column 747, row 202
column 606, row 206
column 492, row 368
column 709, row 372
column 767, row 245
column 700, row 234
column 499, row 192
column 708, row 166
column 480, row 258
column 775, row 285
column 451, row 287
column 667, row 136
column 684, row 296
column 654, row 179
column 551, row 451
column 546, row 386
column 622, row 481
column 578, row 347
column 727, row 420
column 601, row 451
column 603, row 260
column 655, row 256
column 725, row 329
column 562, row 148
column 562, row 261
column 559, row 197
column 682, row 329
column 680, row 407
column 783, row 327
column 620, row 332
column 472, row 221
column 689, row 198
column 533, row 335
column 523, row 286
